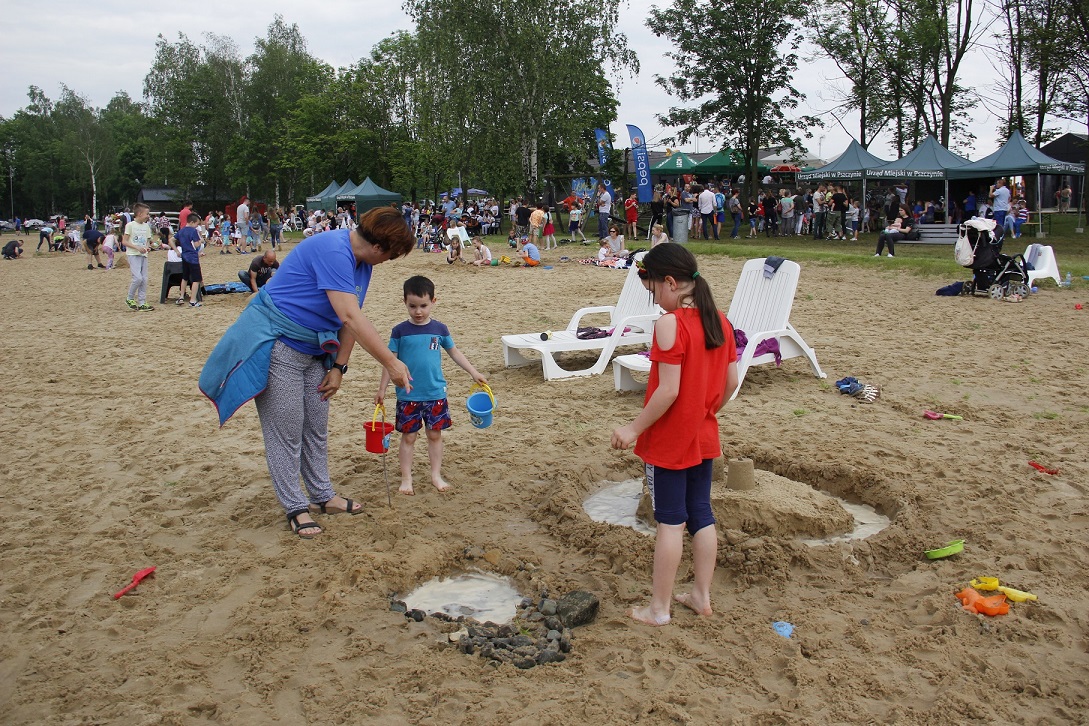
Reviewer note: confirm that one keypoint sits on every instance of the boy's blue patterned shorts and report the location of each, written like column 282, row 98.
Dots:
column 412, row 415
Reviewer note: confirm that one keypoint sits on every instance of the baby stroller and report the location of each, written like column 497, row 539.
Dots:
column 993, row 273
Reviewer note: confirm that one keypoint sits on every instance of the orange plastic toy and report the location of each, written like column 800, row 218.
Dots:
column 973, row 602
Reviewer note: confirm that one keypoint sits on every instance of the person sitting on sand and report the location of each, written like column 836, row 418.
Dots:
column 13, row 250
column 531, row 256
column 453, row 254
column 693, row 374
column 482, row 255
column 658, row 235
column 616, row 243
column 416, row 342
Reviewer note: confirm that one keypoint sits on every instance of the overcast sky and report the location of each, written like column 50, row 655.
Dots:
column 98, row 47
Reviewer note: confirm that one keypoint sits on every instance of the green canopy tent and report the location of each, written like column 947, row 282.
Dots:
column 727, row 161
column 677, row 163
column 1017, row 157
column 368, row 195
column 928, row 160
column 851, row 164
column 329, row 201
column 314, row 202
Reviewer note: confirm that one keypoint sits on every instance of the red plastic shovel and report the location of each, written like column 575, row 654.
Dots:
column 935, row 416
column 135, row 581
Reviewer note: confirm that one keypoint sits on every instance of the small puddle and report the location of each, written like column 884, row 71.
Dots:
column 868, row 522
column 477, row 595
column 617, row 504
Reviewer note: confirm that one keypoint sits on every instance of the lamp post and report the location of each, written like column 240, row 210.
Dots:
column 9, row 156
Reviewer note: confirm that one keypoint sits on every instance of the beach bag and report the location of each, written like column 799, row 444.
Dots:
column 963, row 251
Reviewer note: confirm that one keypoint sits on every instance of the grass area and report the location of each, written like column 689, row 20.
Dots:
column 1071, row 250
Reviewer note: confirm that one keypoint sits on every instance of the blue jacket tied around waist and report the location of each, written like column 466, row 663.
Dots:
column 237, row 369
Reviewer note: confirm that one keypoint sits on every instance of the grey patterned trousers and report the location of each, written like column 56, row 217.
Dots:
column 295, row 422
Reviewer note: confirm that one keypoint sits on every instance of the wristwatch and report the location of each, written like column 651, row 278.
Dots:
column 342, row 367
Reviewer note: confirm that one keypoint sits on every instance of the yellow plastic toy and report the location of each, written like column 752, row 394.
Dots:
column 985, row 583
column 1016, row 595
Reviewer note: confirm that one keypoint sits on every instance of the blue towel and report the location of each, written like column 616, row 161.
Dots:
column 771, row 266
column 237, row 369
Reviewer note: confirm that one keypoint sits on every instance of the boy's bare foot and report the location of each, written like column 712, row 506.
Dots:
column 406, row 489
column 646, row 616
column 689, row 600
column 440, row 484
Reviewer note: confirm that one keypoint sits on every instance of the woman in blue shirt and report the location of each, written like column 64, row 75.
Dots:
column 289, row 351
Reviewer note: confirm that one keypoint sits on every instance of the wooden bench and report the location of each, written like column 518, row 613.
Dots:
column 933, row 234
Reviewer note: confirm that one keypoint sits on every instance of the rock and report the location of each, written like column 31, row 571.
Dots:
column 417, row 615
column 565, row 644
column 553, row 623
column 528, row 651
column 524, row 662
column 456, row 635
column 396, row 606
column 526, row 603
column 501, row 643
column 535, row 617
column 505, row 631
column 864, row 621
column 520, row 640
column 466, row 646
column 503, row 655
column 548, row 655
column 577, row 608
column 553, row 635
column 487, row 650
column 548, row 607
column 474, row 552
column 492, row 557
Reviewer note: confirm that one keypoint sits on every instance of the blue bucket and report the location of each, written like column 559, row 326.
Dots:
column 480, row 405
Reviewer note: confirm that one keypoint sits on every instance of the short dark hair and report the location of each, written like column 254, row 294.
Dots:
column 384, row 227
column 419, row 286
column 192, row 217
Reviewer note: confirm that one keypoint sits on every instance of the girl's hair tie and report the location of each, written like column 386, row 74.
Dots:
column 695, row 274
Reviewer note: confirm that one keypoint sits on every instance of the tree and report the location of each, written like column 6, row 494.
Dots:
column 852, row 36
column 731, row 64
column 85, row 136
column 527, row 87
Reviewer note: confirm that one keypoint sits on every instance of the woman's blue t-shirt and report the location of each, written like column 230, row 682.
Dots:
column 318, row 264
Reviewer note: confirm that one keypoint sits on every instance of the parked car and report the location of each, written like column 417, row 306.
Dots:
column 33, row 224
column 6, row 226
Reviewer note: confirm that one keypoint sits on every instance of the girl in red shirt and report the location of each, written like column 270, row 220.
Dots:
column 693, row 373
column 631, row 215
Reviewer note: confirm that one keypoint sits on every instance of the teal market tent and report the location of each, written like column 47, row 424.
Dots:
column 676, row 163
column 329, row 201
column 928, row 160
column 1017, row 157
column 851, row 164
column 369, row 195
column 314, row 201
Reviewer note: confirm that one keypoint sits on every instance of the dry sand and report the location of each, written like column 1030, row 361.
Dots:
column 113, row 462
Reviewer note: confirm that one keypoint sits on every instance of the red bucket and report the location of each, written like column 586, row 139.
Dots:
column 378, row 432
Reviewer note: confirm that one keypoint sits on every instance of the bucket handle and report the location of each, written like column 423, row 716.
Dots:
column 483, row 387
column 374, row 419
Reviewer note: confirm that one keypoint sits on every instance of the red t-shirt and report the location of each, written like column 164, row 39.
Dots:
column 631, row 209
column 688, row 432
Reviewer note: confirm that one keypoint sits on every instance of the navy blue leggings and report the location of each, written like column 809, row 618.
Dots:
column 682, row 496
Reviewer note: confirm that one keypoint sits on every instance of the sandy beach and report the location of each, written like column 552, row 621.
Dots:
column 113, row 462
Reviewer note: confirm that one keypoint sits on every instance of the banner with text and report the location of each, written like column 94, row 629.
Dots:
column 642, row 164
column 604, row 147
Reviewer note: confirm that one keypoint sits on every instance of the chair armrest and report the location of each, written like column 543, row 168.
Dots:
column 577, row 317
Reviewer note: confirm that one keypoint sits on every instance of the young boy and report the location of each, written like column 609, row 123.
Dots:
column 417, row 343
column 137, row 242
column 188, row 239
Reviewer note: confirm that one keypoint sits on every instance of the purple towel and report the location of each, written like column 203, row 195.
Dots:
column 768, row 345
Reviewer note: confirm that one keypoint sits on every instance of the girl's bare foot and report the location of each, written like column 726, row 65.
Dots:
column 646, row 616
column 689, row 600
column 439, row 484
column 406, row 488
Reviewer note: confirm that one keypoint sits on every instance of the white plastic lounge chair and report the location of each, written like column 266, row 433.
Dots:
column 631, row 321
column 761, row 308
column 1043, row 262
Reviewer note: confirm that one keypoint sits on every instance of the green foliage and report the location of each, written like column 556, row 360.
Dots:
column 735, row 61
